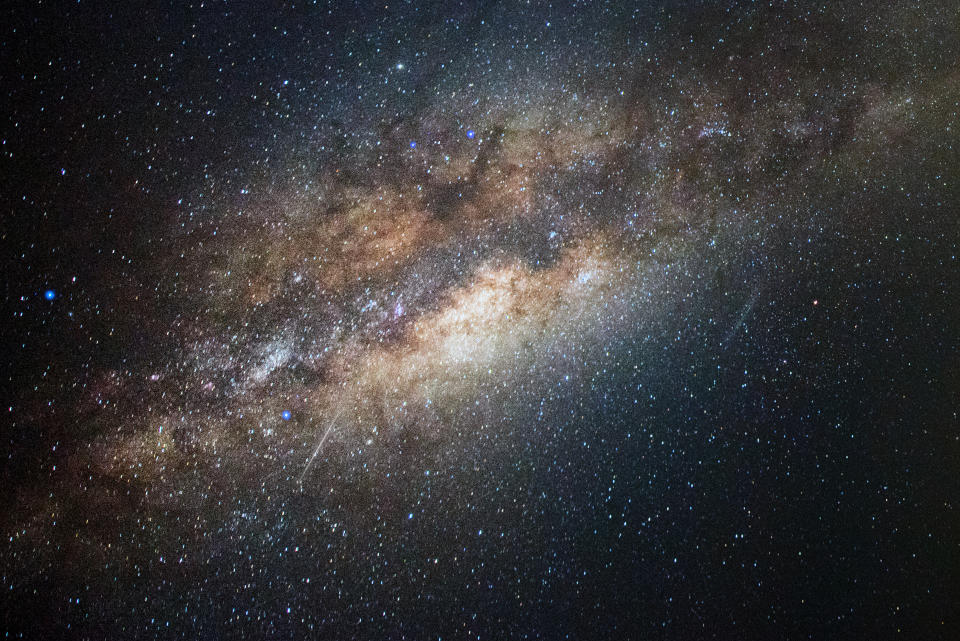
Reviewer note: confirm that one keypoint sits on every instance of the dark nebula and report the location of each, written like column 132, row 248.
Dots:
column 492, row 320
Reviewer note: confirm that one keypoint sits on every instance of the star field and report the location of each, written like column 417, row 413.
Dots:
column 481, row 320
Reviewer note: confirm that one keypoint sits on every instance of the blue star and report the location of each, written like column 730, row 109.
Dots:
column 471, row 133
column 413, row 144
column 286, row 415
column 49, row 294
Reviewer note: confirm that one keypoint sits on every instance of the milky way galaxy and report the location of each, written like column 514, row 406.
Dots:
column 481, row 320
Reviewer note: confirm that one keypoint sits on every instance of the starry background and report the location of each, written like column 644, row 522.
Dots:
column 482, row 320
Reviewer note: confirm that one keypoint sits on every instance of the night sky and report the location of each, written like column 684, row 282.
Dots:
column 480, row 320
